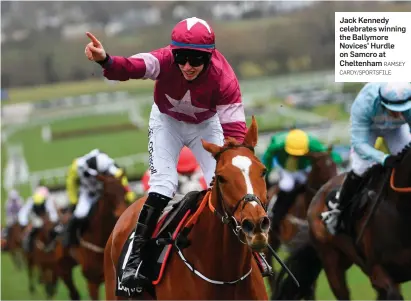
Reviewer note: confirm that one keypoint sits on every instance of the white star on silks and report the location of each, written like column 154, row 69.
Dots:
column 184, row 105
column 194, row 20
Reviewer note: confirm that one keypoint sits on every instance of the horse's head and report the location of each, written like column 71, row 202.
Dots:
column 323, row 167
column 240, row 188
column 113, row 193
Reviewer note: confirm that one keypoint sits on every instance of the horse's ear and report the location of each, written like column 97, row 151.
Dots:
column 330, row 149
column 212, row 148
column 252, row 134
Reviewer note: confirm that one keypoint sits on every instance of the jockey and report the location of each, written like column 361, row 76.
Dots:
column 380, row 109
column 33, row 210
column 84, row 189
column 289, row 149
column 13, row 205
column 190, row 176
column 196, row 96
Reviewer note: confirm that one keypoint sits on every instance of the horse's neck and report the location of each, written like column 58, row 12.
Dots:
column 404, row 171
column 225, row 253
column 101, row 223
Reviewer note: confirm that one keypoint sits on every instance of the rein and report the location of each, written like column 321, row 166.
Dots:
column 227, row 219
column 397, row 189
column 379, row 199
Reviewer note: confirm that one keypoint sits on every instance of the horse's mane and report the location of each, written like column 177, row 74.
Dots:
column 379, row 168
column 230, row 142
column 404, row 151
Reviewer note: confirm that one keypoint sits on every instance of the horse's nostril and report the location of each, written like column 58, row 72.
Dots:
column 265, row 223
column 247, row 226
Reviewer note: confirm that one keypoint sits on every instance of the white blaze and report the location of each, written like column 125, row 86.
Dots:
column 244, row 163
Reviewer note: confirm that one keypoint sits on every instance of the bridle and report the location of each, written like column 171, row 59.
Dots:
column 227, row 217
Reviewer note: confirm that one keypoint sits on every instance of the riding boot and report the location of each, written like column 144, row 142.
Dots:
column 265, row 267
column 147, row 221
column 58, row 229
column 70, row 235
column 29, row 243
column 332, row 218
column 281, row 207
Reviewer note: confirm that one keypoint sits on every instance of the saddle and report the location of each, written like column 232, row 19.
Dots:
column 169, row 230
column 356, row 208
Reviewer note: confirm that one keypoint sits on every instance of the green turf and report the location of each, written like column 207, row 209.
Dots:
column 14, row 285
column 93, row 86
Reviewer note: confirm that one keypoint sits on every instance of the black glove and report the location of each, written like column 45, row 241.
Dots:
column 391, row 161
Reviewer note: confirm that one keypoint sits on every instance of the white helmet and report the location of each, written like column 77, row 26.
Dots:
column 100, row 163
column 396, row 96
column 104, row 162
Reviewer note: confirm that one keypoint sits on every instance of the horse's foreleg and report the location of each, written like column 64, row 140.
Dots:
column 30, row 269
column 384, row 284
column 65, row 272
column 93, row 289
column 335, row 268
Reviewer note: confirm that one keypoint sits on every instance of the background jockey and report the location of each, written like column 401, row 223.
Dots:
column 84, row 189
column 33, row 211
column 196, row 96
column 190, row 176
column 289, row 149
column 379, row 110
column 13, row 205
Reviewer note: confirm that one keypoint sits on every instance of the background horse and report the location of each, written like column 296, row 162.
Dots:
column 294, row 225
column 44, row 256
column 383, row 252
column 90, row 253
column 14, row 247
column 239, row 192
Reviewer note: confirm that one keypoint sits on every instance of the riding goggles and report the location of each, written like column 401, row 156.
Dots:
column 195, row 60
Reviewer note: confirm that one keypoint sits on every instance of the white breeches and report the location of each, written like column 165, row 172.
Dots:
column 85, row 201
column 288, row 179
column 167, row 136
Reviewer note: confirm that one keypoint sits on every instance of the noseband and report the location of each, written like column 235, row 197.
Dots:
column 227, row 217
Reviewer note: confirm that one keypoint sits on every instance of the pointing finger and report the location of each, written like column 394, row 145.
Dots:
column 93, row 39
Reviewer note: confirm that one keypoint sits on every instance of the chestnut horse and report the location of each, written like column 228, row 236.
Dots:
column 229, row 224
column 44, row 256
column 294, row 225
column 13, row 243
column 382, row 208
column 90, row 252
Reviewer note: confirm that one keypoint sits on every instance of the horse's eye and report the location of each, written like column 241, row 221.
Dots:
column 263, row 173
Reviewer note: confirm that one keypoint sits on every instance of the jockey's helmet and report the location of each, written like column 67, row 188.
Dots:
column 187, row 162
column 396, row 96
column 13, row 195
column 99, row 164
column 192, row 40
column 297, row 143
column 193, row 33
column 39, row 198
column 40, row 194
